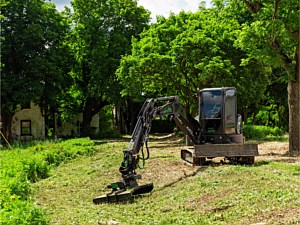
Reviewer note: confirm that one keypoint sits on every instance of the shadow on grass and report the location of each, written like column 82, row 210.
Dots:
column 100, row 142
column 166, row 146
column 162, row 136
column 283, row 138
column 266, row 162
column 261, row 163
column 170, row 156
column 200, row 169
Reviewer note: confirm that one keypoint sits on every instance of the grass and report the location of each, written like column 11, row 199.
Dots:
column 27, row 164
column 266, row 192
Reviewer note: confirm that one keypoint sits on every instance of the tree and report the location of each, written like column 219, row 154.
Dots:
column 188, row 51
column 31, row 31
column 102, row 32
column 273, row 37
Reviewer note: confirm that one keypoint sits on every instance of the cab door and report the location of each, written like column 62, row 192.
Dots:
column 230, row 111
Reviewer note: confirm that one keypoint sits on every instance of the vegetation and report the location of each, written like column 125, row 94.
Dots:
column 273, row 38
column 76, row 182
column 21, row 167
column 104, row 55
column 216, row 194
column 80, row 60
column 180, row 44
column 263, row 133
column 32, row 64
column 101, row 34
column 243, row 38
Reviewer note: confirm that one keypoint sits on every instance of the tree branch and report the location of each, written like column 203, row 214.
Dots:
column 276, row 45
column 253, row 7
column 276, row 3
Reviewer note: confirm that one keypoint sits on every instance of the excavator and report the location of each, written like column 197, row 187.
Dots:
column 215, row 132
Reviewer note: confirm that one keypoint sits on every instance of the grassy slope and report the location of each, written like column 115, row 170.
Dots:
column 216, row 194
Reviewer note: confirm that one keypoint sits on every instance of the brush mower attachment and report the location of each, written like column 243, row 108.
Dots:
column 119, row 193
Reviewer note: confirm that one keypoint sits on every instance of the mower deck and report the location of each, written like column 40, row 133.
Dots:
column 123, row 195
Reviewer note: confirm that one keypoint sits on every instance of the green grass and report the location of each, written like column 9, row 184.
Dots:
column 22, row 166
column 217, row 194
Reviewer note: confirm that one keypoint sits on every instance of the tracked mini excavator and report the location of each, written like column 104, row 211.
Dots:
column 215, row 132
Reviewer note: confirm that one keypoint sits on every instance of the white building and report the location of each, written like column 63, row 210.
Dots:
column 29, row 123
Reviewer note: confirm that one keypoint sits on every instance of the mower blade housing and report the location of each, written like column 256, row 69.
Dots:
column 142, row 189
column 114, row 197
column 123, row 195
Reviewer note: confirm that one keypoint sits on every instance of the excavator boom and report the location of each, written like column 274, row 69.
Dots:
column 125, row 189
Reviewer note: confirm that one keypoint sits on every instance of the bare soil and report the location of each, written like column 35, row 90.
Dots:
column 275, row 151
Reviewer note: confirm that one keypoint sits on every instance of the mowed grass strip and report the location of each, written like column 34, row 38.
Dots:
column 267, row 192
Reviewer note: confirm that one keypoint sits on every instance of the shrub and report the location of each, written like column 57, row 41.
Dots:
column 261, row 132
column 36, row 168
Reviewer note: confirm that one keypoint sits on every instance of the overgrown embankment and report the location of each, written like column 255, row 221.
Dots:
column 19, row 168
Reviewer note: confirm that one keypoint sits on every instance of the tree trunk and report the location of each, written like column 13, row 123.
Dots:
column 91, row 108
column 86, row 123
column 87, row 116
column 294, row 109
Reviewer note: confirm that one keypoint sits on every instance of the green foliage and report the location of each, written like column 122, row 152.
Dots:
column 21, row 167
column 272, row 35
column 260, row 132
column 20, row 212
column 188, row 51
column 106, row 118
column 101, row 34
column 32, row 31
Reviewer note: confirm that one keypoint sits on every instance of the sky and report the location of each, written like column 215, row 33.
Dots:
column 156, row 7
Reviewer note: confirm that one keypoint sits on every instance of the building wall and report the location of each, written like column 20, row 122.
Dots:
column 32, row 114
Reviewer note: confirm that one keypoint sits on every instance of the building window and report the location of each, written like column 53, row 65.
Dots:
column 25, row 127
column 25, row 105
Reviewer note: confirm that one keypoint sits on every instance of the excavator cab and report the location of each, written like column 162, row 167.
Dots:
column 218, row 116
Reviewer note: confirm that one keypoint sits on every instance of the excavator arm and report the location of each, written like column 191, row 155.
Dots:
column 152, row 108
column 217, row 134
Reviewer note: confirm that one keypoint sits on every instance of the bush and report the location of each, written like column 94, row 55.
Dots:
column 261, row 132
